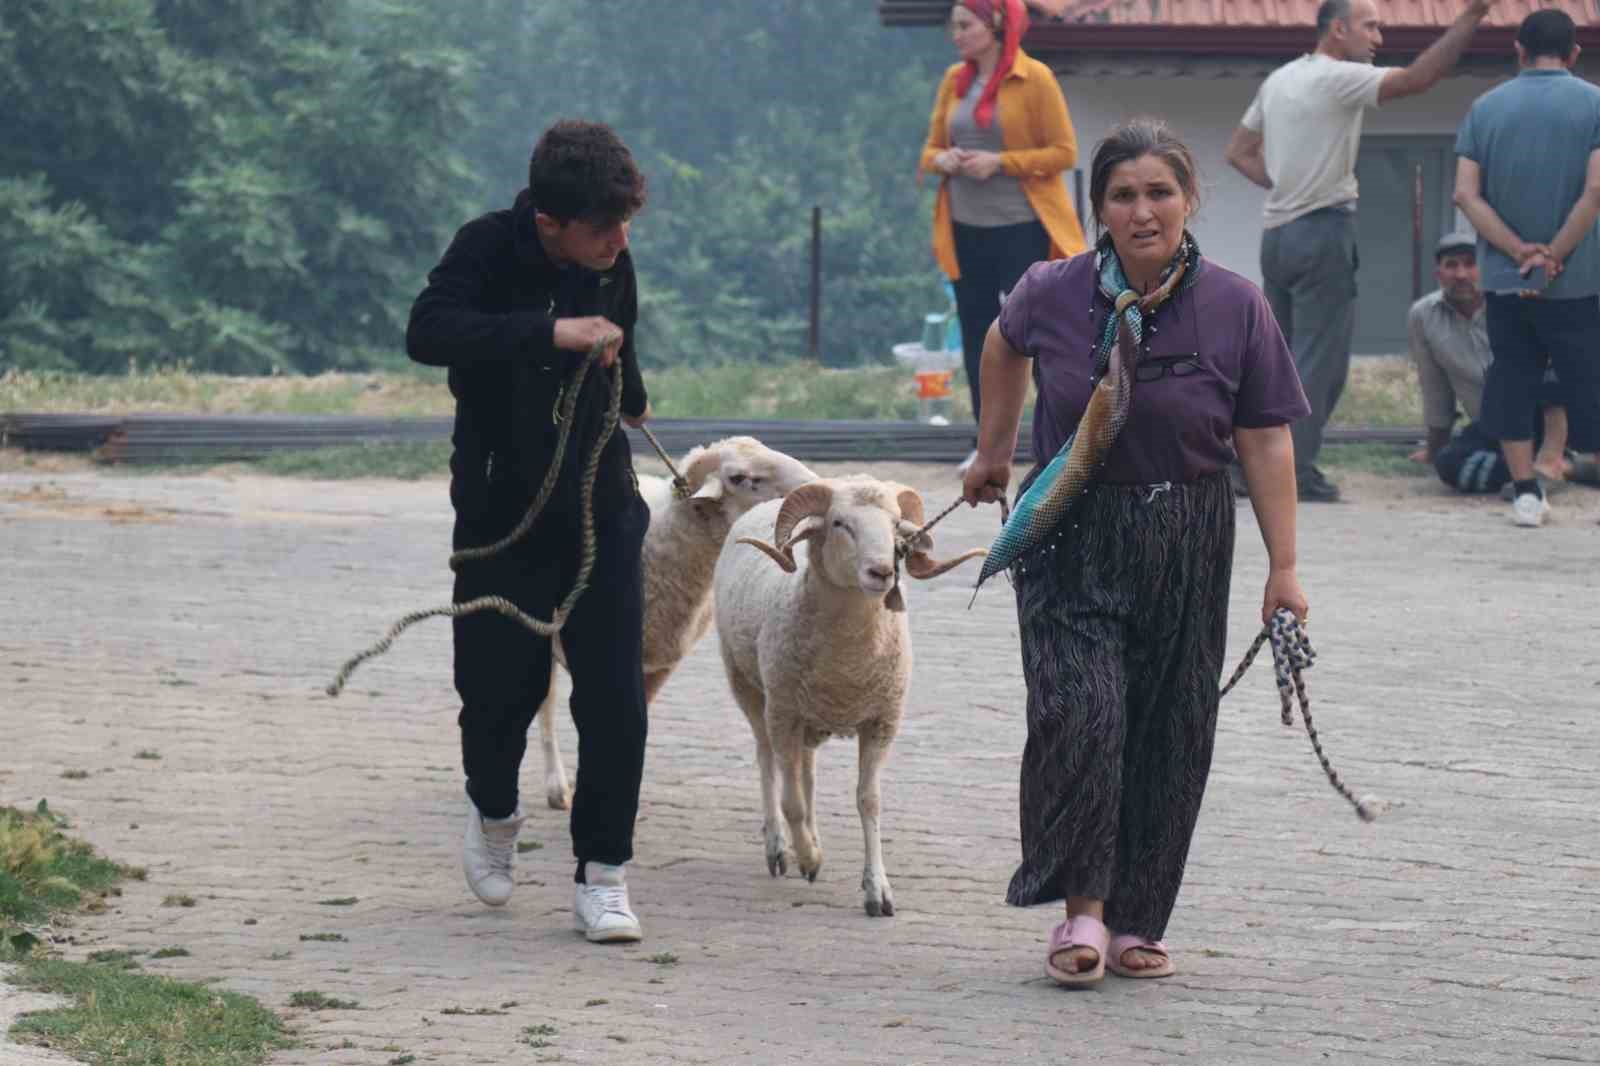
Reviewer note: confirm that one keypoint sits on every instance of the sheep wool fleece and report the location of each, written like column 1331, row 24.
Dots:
column 1123, row 618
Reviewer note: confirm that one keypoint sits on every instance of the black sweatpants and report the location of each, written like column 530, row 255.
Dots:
column 1124, row 622
column 502, row 672
column 1529, row 336
column 992, row 260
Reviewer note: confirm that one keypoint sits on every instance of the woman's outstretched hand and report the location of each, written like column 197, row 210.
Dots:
column 1283, row 590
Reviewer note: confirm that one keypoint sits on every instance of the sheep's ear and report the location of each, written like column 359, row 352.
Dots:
column 921, row 565
column 711, row 490
column 910, row 501
column 785, row 560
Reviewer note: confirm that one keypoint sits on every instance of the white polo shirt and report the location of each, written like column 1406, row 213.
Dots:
column 1309, row 114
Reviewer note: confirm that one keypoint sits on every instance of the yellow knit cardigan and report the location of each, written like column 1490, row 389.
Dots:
column 1039, row 145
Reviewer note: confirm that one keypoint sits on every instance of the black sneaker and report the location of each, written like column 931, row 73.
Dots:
column 1314, row 488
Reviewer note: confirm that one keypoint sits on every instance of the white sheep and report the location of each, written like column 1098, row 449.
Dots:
column 725, row 479
column 819, row 646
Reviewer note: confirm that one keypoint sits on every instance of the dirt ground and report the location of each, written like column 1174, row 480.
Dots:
column 171, row 636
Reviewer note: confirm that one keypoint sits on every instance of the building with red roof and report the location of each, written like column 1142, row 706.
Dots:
column 1197, row 64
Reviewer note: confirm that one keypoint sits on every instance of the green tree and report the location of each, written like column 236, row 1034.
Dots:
column 261, row 185
column 246, row 186
column 743, row 118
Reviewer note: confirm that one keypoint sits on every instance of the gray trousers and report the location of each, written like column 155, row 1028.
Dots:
column 1308, row 271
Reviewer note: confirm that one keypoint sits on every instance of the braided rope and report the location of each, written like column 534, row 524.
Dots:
column 680, row 484
column 1291, row 656
column 903, row 542
column 565, row 409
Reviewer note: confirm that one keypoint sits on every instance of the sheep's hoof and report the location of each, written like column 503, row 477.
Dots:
column 558, row 796
column 777, row 865
column 879, row 903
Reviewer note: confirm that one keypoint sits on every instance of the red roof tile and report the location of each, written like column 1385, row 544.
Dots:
column 1278, row 28
column 1295, row 13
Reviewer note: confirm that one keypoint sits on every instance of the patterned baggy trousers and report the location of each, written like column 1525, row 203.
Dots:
column 1123, row 619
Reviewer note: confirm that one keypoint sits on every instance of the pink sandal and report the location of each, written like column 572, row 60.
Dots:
column 1125, row 942
column 1082, row 931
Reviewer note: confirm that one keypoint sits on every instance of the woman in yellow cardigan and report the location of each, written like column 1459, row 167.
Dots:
column 1001, row 137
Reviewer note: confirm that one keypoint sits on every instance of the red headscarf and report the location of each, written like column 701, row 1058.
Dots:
column 1009, row 21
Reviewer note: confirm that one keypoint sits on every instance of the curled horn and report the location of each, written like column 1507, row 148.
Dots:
column 785, row 560
column 919, row 564
column 806, row 502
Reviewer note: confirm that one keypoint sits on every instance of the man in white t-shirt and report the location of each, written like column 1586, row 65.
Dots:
column 1299, row 141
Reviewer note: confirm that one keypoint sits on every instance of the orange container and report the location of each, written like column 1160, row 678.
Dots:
column 933, row 384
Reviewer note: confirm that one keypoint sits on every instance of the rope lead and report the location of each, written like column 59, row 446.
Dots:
column 1291, row 655
column 567, row 405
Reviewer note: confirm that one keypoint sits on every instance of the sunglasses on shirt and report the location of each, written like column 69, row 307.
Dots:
column 1157, row 367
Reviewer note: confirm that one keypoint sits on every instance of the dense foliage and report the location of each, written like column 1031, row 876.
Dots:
column 257, row 186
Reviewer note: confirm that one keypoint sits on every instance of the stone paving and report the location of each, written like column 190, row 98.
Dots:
column 171, row 637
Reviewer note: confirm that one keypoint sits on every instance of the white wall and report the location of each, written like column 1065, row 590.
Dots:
column 1204, row 112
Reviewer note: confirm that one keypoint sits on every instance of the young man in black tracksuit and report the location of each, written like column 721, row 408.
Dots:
column 512, row 310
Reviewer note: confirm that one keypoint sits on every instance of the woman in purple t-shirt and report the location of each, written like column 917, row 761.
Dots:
column 1123, row 613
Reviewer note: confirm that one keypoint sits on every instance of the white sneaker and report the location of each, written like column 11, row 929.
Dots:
column 1529, row 510
column 966, row 464
column 602, row 912
column 487, row 853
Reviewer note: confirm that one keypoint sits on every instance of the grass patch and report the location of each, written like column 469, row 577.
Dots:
column 473, row 1012
column 170, row 953
column 538, row 1035
column 74, row 775
column 168, row 389
column 663, row 958
column 325, row 938
column 121, row 960
column 400, row 461
column 314, row 1000
column 178, row 899
column 42, row 873
column 1389, row 460
column 147, row 753
column 118, row 1014
column 339, row 901
column 125, row 1017
column 1382, row 391
column 525, row 846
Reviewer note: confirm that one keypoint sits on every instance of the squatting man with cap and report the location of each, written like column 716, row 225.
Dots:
column 519, row 299
column 1450, row 349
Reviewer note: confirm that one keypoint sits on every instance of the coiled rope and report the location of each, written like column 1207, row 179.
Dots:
column 566, row 405
column 1291, row 656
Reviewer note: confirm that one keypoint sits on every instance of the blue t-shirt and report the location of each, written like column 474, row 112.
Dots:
column 1533, row 136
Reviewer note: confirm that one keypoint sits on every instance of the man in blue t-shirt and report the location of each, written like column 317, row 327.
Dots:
column 1528, row 178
